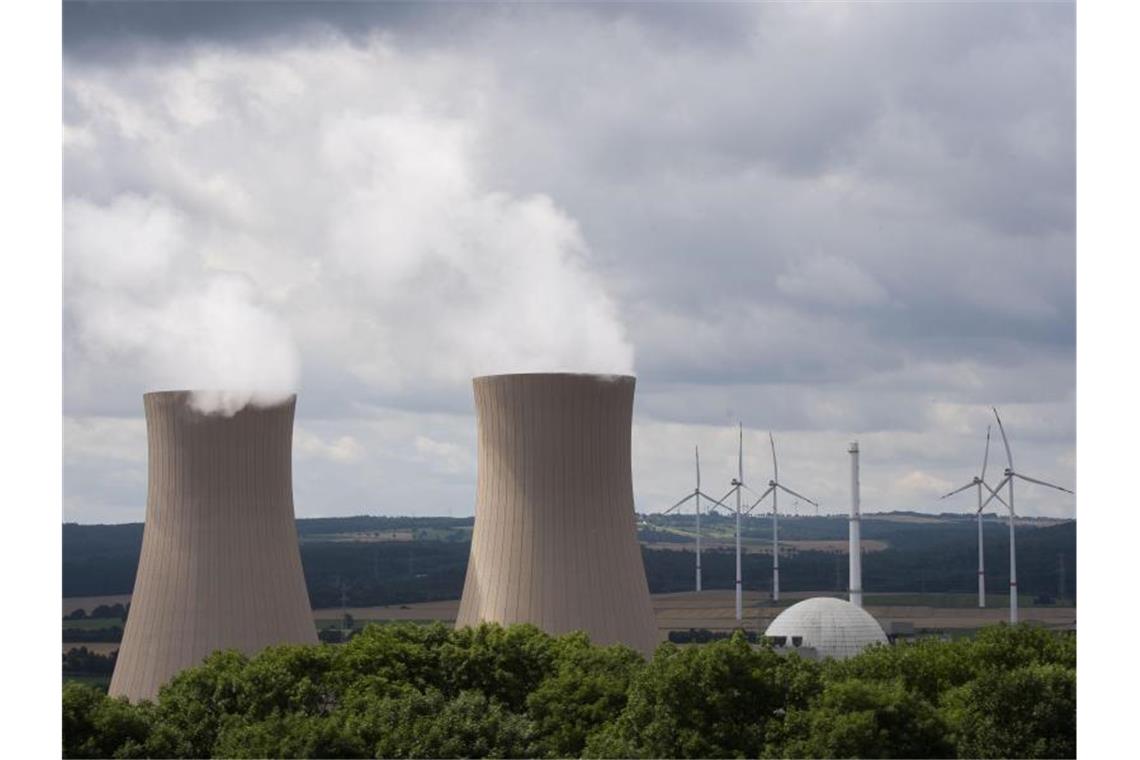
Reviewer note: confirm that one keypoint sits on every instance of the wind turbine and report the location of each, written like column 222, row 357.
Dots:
column 696, row 494
column 774, row 487
column 1010, row 474
column 737, row 484
column 979, row 481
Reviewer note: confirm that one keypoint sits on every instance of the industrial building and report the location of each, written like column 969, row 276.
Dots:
column 220, row 566
column 555, row 542
column 825, row 627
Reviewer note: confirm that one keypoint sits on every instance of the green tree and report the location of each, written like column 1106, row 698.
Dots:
column 1029, row 711
column 95, row 725
column 1006, row 647
column 192, row 706
column 587, row 687
column 506, row 664
column 428, row 691
column 707, row 701
column 428, row 725
column 855, row 718
column 383, row 660
column 287, row 679
column 291, row 735
column 927, row 667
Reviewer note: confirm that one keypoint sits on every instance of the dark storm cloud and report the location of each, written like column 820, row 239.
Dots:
column 828, row 218
column 94, row 30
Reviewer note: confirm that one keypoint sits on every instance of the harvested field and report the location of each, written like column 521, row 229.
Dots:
column 362, row 537
column 715, row 610
column 444, row 611
column 916, row 519
column 761, row 546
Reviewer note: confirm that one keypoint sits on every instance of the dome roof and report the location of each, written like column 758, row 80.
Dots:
column 833, row 627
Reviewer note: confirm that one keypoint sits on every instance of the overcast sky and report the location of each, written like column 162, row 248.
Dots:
column 830, row 221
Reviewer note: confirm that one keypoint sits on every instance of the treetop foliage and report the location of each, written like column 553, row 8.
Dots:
column 430, row 691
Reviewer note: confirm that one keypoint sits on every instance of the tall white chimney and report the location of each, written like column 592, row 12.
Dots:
column 855, row 548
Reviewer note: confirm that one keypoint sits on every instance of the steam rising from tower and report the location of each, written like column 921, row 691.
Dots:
column 220, row 567
column 555, row 540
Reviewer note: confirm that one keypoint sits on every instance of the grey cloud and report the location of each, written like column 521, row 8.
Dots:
column 831, row 218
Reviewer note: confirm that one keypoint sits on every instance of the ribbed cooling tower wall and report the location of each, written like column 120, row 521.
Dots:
column 555, row 538
column 220, row 567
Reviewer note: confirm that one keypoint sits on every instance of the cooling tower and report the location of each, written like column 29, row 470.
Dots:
column 220, row 567
column 555, row 538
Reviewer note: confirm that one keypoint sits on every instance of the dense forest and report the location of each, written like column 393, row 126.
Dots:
column 430, row 560
column 429, row 691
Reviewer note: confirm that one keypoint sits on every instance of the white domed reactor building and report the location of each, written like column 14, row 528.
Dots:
column 828, row 627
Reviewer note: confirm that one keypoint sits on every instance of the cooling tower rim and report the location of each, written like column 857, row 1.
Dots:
column 602, row 376
column 175, row 396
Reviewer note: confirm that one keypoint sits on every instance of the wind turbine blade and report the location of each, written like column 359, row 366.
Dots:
column 682, row 501
column 1008, row 455
column 958, row 490
column 797, row 495
column 731, row 491
column 775, row 468
column 986, row 458
column 715, row 502
column 749, row 490
column 993, row 492
column 1040, row 482
column 740, row 455
column 697, row 452
column 726, row 508
column 764, row 496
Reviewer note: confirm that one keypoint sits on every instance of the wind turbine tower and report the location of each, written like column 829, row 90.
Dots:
column 1010, row 474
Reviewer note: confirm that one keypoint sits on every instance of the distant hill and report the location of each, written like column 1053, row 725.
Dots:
column 397, row 560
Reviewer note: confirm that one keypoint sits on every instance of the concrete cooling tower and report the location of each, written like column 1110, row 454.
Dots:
column 220, row 567
column 555, row 538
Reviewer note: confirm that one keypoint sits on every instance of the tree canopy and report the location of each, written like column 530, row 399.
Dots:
column 429, row 691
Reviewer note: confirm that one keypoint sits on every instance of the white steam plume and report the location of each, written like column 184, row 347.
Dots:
column 141, row 303
column 343, row 184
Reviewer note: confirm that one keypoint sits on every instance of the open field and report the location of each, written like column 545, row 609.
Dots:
column 714, row 610
column 993, row 601
column 369, row 537
column 88, row 624
column 764, row 546
column 398, row 535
